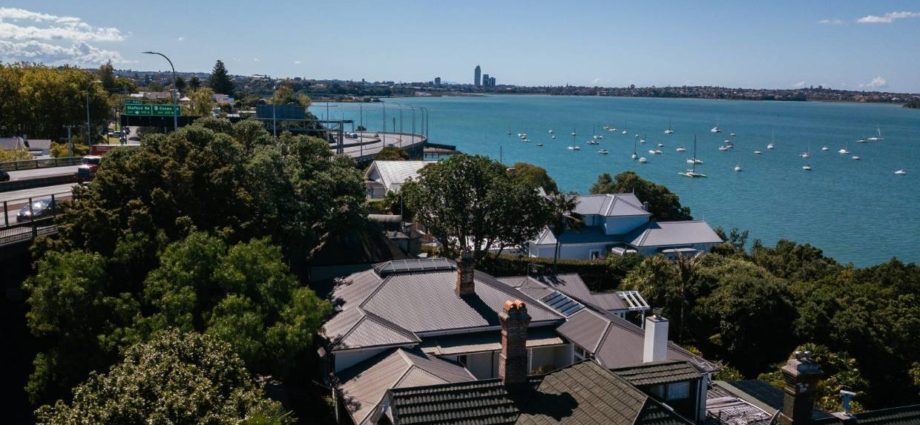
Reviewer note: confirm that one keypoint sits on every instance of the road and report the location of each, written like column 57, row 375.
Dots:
column 42, row 172
column 371, row 149
column 20, row 198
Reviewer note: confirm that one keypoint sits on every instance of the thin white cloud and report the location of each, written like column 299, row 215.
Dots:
column 799, row 85
column 41, row 37
column 296, row 62
column 832, row 22
column 876, row 83
column 887, row 18
column 181, row 38
column 256, row 60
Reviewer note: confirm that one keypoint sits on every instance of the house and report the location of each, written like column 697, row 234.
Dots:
column 388, row 176
column 11, row 143
column 619, row 224
column 413, row 323
column 755, row 402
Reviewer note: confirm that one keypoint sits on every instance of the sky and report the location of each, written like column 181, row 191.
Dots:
column 854, row 45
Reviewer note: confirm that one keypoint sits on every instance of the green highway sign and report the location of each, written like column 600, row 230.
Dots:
column 150, row 110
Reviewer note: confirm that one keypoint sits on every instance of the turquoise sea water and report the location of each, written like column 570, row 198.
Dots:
column 856, row 211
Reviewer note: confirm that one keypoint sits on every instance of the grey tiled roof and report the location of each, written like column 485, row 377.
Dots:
column 363, row 386
column 396, row 301
column 583, row 393
column 610, row 205
column 485, row 341
column 673, row 233
column 902, row 415
column 658, row 373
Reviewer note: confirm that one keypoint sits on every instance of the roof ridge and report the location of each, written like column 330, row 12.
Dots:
column 507, row 290
column 390, row 325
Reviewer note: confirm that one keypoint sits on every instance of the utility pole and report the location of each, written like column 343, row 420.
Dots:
column 69, row 139
column 175, row 92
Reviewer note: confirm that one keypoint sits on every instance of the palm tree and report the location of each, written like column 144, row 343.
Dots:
column 563, row 217
column 686, row 269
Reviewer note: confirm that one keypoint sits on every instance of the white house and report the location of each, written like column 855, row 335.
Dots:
column 619, row 224
column 388, row 176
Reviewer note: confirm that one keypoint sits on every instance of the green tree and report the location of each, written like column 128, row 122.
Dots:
column 793, row 261
column 194, row 83
column 243, row 295
column 202, row 102
column 533, row 176
column 662, row 203
column 392, row 153
column 562, row 218
column 471, row 201
column 180, row 84
column 81, row 312
column 220, row 80
column 604, row 184
column 174, row 378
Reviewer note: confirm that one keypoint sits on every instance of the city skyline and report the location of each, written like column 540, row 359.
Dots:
column 854, row 46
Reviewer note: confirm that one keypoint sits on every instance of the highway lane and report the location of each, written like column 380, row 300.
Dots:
column 37, row 192
column 42, row 172
column 377, row 142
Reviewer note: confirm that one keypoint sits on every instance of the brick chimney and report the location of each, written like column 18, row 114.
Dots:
column 655, row 347
column 465, row 270
column 801, row 375
column 512, row 361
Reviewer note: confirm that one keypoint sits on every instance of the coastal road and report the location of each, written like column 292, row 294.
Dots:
column 374, row 142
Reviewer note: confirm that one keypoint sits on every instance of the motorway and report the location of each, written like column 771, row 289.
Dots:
column 19, row 198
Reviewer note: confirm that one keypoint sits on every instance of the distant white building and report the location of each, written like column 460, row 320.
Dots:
column 388, row 176
column 618, row 224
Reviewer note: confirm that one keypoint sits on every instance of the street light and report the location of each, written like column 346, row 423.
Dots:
column 174, row 90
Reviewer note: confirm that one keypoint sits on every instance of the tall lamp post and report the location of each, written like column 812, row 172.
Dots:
column 174, row 94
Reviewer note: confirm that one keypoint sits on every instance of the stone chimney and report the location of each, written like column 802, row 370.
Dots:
column 465, row 270
column 801, row 375
column 656, row 339
column 512, row 361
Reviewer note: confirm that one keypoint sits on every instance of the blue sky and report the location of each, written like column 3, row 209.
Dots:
column 773, row 44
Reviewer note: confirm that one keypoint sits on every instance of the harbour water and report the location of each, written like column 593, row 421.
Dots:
column 857, row 211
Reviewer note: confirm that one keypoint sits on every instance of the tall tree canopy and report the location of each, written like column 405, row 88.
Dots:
column 39, row 101
column 220, row 80
column 122, row 265
column 533, row 176
column 472, row 201
column 662, row 203
column 175, row 378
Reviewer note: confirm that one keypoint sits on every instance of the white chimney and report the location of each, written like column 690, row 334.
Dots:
column 656, row 339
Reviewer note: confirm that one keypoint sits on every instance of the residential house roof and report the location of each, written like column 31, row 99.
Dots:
column 449, row 345
column 395, row 172
column 583, row 393
column 673, row 233
column 610, row 205
column 11, row 143
column 364, row 385
column 658, row 373
column 397, row 301
column 574, row 286
column 613, row 341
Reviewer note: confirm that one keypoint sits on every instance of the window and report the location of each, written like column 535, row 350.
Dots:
column 462, row 359
column 678, row 390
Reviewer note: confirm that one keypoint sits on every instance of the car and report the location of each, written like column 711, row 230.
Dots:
column 40, row 208
column 88, row 165
column 4, row 176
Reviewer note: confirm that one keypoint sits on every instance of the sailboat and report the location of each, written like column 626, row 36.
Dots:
column 624, row 128
column 715, row 129
column 573, row 146
column 806, row 167
column 635, row 146
column 551, row 131
column 681, row 149
column 642, row 160
column 843, row 150
column 900, row 172
column 603, row 152
column 878, row 138
column 771, row 145
column 807, row 153
column 825, row 148
column 692, row 171
column 669, row 131
column 738, row 168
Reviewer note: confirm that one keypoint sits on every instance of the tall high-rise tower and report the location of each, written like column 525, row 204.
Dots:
column 477, row 76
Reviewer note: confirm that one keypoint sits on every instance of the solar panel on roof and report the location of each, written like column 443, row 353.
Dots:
column 413, row 265
column 562, row 303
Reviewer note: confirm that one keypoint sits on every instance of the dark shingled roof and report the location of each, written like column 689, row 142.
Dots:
column 658, row 373
column 904, row 415
column 584, row 393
